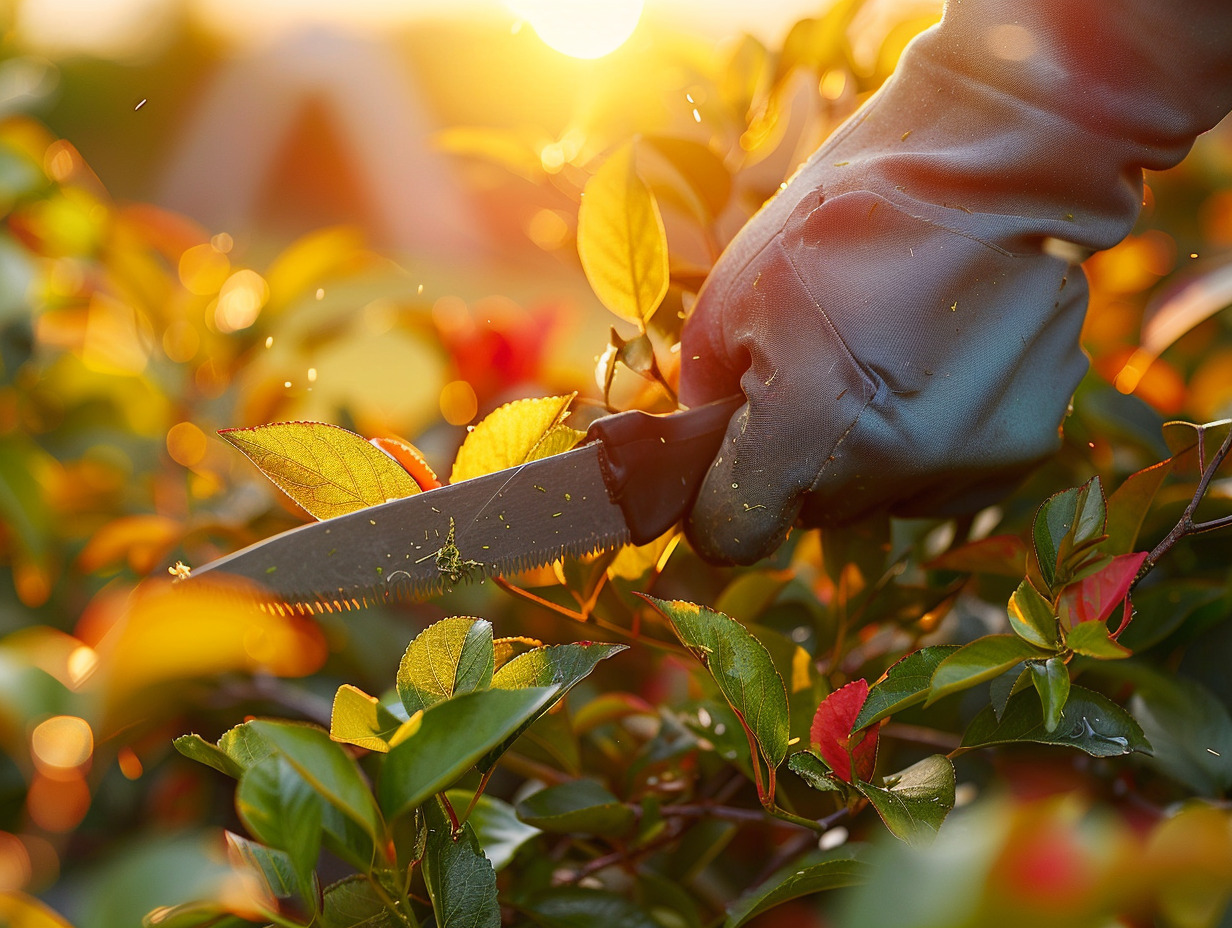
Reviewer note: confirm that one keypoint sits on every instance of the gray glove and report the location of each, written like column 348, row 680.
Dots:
column 902, row 318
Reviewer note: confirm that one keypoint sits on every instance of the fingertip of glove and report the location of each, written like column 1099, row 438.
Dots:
column 723, row 529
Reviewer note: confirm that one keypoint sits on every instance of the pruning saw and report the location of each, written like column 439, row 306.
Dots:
column 634, row 476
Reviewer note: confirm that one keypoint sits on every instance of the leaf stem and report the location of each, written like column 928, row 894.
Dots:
column 453, row 816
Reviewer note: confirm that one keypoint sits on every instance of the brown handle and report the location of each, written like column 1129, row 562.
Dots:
column 654, row 465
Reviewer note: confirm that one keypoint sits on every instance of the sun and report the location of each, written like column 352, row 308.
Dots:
column 581, row 28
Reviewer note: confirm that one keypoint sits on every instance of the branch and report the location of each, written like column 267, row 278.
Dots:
column 1187, row 525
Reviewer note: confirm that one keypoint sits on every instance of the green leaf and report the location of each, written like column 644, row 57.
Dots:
column 460, row 880
column 275, row 867
column 795, row 881
column 353, row 902
column 279, row 808
column 327, row 470
column 449, row 738
column 561, row 667
column 1190, row 730
column 1051, row 679
column 194, row 747
column 805, row 686
column 980, row 660
column 1031, row 616
column 1006, row 685
column 360, row 719
column 814, row 771
column 1067, row 522
column 906, row 683
column 581, row 907
column 327, row 768
column 1090, row 722
column 496, row 825
column 742, row 668
column 621, row 240
column 576, row 807
column 915, row 801
column 1091, row 639
column 449, row 657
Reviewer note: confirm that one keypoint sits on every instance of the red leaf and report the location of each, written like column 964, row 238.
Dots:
column 831, row 733
column 1094, row 598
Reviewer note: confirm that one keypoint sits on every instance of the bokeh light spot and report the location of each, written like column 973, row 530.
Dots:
column 62, row 742
column 240, row 301
column 458, row 402
column 203, row 269
column 186, row 444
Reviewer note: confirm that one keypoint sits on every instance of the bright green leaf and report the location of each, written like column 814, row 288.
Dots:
column 448, row 657
column 980, row 660
column 906, row 683
column 1051, row 679
column 460, row 880
column 914, row 802
column 496, row 825
column 361, row 720
column 1091, row 639
column 194, row 747
column 742, row 668
column 798, row 879
column 327, row 768
column 279, row 808
column 561, row 667
column 1031, row 616
column 621, row 240
column 1090, row 722
column 327, row 470
column 576, row 806
column 449, row 738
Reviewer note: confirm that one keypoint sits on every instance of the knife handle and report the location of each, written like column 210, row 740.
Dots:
column 653, row 465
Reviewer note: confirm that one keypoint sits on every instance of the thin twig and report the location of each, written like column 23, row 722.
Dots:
column 1186, row 525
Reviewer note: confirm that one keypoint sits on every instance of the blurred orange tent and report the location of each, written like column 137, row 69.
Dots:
column 323, row 126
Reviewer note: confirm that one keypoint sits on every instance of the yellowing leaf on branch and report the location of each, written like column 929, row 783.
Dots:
column 621, row 240
column 521, row 431
column 327, row 470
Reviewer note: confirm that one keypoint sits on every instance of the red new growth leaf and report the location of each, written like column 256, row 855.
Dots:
column 831, row 733
column 1094, row 598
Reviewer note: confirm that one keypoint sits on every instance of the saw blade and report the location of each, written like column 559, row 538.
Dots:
column 512, row 520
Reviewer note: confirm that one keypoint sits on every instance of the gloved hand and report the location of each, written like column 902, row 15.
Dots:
column 902, row 317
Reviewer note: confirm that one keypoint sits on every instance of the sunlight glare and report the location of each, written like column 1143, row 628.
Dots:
column 581, row 28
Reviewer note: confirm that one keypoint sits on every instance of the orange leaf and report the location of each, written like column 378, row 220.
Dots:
column 411, row 460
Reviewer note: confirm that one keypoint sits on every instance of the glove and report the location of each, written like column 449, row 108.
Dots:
column 903, row 317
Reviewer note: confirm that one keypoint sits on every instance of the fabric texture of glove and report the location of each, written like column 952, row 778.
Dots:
column 905, row 335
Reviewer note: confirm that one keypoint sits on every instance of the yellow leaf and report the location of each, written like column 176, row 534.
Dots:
column 17, row 910
column 521, row 431
column 167, row 632
column 311, row 259
column 327, row 470
column 621, row 240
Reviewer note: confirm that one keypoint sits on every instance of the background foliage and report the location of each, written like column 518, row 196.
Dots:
column 129, row 334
